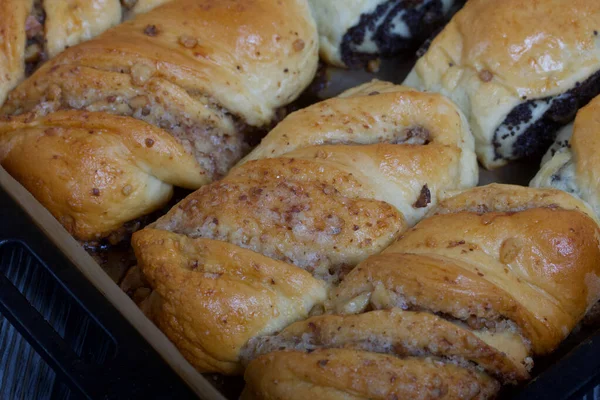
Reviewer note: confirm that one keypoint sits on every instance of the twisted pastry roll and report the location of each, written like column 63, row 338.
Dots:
column 351, row 33
column 329, row 186
column 206, row 73
column 518, row 70
column 572, row 164
column 459, row 303
column 35, row 30
column 437, row 145
column 94, row 171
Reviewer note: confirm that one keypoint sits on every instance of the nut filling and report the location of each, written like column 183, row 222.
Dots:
column 34, row 30
column 215, row 137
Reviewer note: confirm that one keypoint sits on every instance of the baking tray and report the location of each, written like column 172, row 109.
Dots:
column 572, row 372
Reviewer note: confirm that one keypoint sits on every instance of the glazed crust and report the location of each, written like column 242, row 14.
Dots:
column 12, row 47
column 578, row 165
column 379, row 112
column 71, row 22
column 142, row 6
column 66, row 24
column 399, row 333
column 214, row 296
column 324, row 201
column 279, row 217
column 351, row 374
column 496, row 274
column 494, row 55
column 533, row 265
column 200, row 86
column 508, row 198
column 247, row 57
column 95, row 171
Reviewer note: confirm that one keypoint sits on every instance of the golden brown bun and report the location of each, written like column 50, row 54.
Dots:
column 249, row 58
column 380, row 112
column 576, row 168
column 317, row 218
column 322, row 206
column 203, row 71
column 327, row 198
column 534, row 265
column 214, row 296
column 497, row 274
column 12, row 46
column 349, row 374
column 71, row 22
column 135, row 7
column 399, row 333
column 495, row 55
column 65, row 23
column 507, row 198
column 95, row 171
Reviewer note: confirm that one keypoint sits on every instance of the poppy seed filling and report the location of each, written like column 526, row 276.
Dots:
column 393, row 27
column 531, row 127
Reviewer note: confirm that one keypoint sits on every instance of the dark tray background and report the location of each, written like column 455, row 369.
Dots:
column 60, row 338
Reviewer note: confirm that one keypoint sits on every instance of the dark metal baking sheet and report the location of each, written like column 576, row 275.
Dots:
column 59, row 337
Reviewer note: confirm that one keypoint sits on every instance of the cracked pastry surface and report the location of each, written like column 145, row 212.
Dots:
column 518, row 70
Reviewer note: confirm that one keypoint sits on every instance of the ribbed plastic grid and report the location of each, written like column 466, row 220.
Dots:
column 23, row 373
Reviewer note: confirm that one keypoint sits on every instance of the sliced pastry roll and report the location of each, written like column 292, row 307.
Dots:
column 519, row 70
column 33, row 31
column 351, row 33
column 573, row 162
column 328, row 187
column 457, row 306
column 202, row 75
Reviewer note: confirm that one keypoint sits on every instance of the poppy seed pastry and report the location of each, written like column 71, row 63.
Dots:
column 458, row 305
column 329, row 186
column 35, row 30
column 351, row 33
column 572, row 163
column 518, row 70
column 166, row 98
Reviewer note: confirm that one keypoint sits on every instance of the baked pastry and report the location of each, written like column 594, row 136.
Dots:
column 437, row 152
column 329, row 186
column 35, row 30
column 459, row 304
column 207, row 85
column 351, row 33
column 134, row 7
column 518, row 70
column 572, row 163
column 96, row 171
